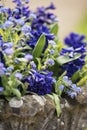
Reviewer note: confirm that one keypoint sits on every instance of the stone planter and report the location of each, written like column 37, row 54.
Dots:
column 38, row 113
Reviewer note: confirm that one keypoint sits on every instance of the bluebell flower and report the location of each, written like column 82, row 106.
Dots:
column 29, row 57
column 21, row 11
column 61, row 87
column 40, row 82
column 2, row 69
column 10, row 69
column 9, row 51
column 8, row 24
column 1, row 89
column 52, row 52
column 7, row 45
column 49, row 62
column 72, row 94
column 21, row 22
column 26, row 30
column 18, row 75
column 52, row 43
column 33, row 65
column 76, row 89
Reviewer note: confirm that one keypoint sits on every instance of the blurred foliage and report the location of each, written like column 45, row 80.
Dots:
column 81, row 27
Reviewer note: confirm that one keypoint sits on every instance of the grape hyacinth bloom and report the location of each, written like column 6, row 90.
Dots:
column 76, row 46
column 40, row 82
column 37, row 33
column 44, row 17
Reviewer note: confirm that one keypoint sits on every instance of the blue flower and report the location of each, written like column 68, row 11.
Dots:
column 9, row 51
column 37, row 33
column 26, row 30
column 76, row 46
column 75, row 41
column 61, row 87
column 72, row 94
column 76, row 89
column 29, row 57
column 1, row 89
column 50, row 62
column 44, row 17
column 2, row 69
column 40, row 82
column 21, row 22
column 52, row 52
column 8, row 24
column 33, row 65
column 18, row 75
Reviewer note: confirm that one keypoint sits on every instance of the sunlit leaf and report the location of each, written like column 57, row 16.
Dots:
column 39, row 46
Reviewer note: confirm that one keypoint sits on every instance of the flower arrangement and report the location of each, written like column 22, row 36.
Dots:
column 34, row 60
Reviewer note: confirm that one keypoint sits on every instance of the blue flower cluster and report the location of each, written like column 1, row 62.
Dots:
column 40, row 82
column 76, row 45
column 71, row 89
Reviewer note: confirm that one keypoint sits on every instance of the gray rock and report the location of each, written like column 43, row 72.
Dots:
column 38, row 113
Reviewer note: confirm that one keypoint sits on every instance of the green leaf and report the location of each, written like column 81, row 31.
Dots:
column 76, row 76
column 54, row 29
column 65, row 59
column 57, row 103
column 16, row 92
column 83, row 81
column 39, row 46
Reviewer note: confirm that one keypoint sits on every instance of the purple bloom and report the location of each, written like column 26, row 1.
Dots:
column 2, row 69
column 75, row 41
column 50, row 62
column 1, row 89
column 21, row 22
column 72, row 94
column 7, row 45
column 32, row 64
column 29, row 57
column 37, row 33
column 8, row 24
column 9, row 51
column 76, row 46
column 40, row 82
column 26, row 30
column 61, row 87
column 52, row 52
column 76, row 89
column 18, row 75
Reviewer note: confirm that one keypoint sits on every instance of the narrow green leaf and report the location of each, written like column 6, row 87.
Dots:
column 39, row 46
column 57, row 103
column 76, row 76
column 65, row 59
column 54, row 29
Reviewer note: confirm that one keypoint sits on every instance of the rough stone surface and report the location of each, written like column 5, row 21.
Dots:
column 38, row 113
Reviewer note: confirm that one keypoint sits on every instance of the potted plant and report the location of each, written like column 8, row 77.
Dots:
column 39, row 73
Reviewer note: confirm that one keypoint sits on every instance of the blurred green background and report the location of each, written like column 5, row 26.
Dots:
column 72, row 14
